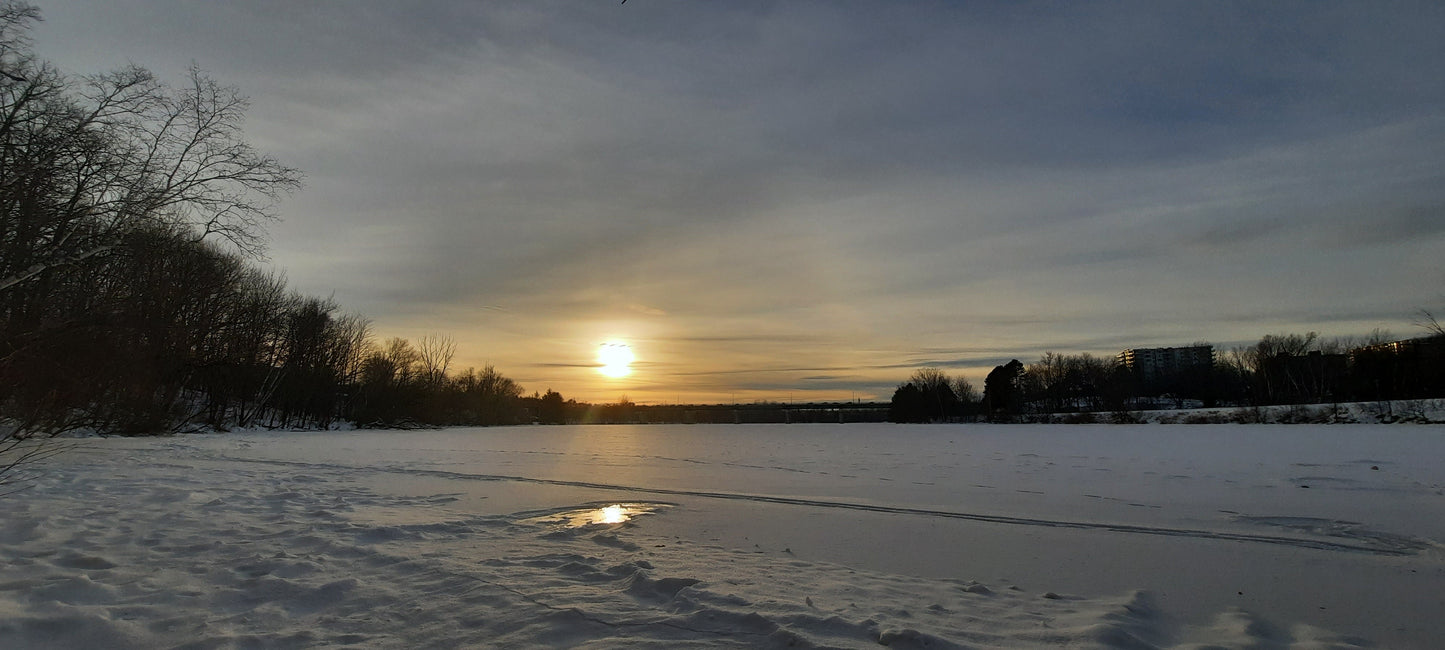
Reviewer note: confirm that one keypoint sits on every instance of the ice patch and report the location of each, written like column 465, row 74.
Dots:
column 596, row 514
column 1349, row 530
column 316, row 544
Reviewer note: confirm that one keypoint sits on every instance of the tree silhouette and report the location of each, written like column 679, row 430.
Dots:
column 1002, row 392
column 927, row 396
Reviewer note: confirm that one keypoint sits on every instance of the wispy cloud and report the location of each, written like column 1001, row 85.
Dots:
column 817, row 194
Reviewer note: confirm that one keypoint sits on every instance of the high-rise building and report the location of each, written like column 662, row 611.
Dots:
column 1153, row 363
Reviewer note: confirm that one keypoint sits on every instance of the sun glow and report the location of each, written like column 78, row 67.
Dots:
column 612, row 515
column 597, row 514
column 616, row 359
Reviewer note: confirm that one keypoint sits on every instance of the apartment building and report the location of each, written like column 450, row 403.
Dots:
column 1154, row 363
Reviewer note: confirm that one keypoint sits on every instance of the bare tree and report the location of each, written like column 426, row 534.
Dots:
column 80, row 169
column 84, row 160
column 927, row 396
column 435, row 353
column 930, row 380
column 1426, row 320
column 1284, row 345
column 402, row 358
column 87, row 162
column 965, row 392
column 17, row 452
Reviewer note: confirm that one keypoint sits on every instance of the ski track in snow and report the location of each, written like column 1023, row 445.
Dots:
column 180, row 545
column 1367, row 541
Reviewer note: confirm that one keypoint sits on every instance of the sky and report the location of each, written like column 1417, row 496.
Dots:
column 807, row 200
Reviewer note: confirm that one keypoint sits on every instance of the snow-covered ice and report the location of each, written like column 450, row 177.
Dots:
column 735, row 536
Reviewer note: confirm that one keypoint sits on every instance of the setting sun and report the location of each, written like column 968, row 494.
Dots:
column 616, row 359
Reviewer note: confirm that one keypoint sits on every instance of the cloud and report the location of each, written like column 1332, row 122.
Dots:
column 754, row 188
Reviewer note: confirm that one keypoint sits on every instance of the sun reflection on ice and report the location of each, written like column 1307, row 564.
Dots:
column 616, row 513
column 612, row 515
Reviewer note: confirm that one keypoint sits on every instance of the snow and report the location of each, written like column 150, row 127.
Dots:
column 1420, row 411
column 735, row 536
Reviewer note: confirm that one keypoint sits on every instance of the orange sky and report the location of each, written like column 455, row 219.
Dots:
column 807, row 200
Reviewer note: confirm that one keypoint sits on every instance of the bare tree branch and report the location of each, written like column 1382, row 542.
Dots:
column 1426, row 320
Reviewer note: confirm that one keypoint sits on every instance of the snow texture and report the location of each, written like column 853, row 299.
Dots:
column 811, row 536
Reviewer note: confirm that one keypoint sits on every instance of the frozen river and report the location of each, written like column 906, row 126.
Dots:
column 829, row 535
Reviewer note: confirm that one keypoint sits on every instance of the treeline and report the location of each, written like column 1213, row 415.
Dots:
column 128, row 208
column 1278, row 369
column 624, row 411
column 164, row 333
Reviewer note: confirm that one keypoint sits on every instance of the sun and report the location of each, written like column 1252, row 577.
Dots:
column 616, row 359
